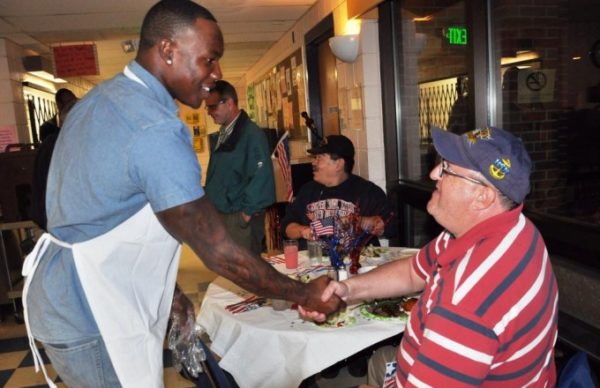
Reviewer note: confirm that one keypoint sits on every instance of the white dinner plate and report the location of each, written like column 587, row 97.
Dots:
column 386, row 254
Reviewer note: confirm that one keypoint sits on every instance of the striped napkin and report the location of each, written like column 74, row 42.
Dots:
column 275, row 259
column 314, row 269
column 250, row 303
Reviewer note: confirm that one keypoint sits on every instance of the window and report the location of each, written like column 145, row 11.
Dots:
column 428, row 52
column 533, row 69
column 548, row 93
column 40, row 107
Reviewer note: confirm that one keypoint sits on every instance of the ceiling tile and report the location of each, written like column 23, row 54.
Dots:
column 250, row 27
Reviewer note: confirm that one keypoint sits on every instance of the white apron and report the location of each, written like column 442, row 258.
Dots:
column 128, row 275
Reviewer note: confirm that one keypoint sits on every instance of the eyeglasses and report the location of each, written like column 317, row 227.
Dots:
column 445, row 169
column 215, row 106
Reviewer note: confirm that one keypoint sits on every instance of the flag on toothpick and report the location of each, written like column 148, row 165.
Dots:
column 282, row 150
column 390, row 374
column 323, row 227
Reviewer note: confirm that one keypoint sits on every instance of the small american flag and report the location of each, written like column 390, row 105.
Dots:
column 390, row 375
column 323, row 227
column 282, row 150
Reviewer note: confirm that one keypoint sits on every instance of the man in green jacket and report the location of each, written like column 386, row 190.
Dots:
column 239, row 180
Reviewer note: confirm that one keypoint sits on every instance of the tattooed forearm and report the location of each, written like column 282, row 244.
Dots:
column 198, row 224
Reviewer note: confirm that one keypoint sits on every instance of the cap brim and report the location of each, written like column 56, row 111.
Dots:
column 318, row 150
column 451, row 147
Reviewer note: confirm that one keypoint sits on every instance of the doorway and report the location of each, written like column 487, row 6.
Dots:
column 328, row 90
column 322, row 79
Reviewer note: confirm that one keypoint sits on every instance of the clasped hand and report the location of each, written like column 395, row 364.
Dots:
column 333, row 292
column 374, row 225
column 315, row 301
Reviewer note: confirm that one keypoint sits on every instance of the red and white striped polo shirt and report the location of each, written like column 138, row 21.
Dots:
column 488, row 315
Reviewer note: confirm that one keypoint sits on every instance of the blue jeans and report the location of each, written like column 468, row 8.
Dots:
column 83, row 363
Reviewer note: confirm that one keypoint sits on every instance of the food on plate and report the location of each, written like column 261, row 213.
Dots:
column 408, row 304
column 385, row 309
column 372, row 251
column 340, row 319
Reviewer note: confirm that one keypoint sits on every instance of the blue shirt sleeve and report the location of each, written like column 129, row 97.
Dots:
column 165, row 166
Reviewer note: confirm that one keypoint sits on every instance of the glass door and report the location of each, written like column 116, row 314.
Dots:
column 431, row 45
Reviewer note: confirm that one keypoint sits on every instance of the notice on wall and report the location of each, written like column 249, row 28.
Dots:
column 75, row 60
column 8, row 135
column 536, row 85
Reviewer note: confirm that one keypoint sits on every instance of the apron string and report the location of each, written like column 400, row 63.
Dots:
column 29, row 267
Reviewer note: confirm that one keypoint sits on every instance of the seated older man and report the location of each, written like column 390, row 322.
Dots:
column 488, row 312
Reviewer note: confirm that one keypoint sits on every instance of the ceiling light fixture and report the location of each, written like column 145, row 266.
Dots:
column 427, row 18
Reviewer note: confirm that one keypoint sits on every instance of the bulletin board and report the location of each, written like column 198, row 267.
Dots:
column 196, row 121
column 278, row 97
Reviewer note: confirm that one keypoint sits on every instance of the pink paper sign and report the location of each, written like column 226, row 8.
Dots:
column 8, row 135
column 75, row 60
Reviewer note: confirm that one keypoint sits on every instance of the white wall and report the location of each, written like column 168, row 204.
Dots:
column 359, row 85
column 359, row 96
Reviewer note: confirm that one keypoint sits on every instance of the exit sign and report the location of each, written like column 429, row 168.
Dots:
column 457, row 36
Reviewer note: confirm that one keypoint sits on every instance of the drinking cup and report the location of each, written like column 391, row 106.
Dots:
column 315, row 254
column 290, row 252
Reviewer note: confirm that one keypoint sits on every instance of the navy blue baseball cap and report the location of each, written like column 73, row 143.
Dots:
column 497, row 154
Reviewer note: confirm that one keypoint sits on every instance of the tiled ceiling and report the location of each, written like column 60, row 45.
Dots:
column 250, row 27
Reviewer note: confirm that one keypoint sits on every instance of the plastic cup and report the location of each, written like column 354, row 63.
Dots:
column 290, row 252
column 315, row 255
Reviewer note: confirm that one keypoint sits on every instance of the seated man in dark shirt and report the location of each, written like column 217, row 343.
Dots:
column 336, row 192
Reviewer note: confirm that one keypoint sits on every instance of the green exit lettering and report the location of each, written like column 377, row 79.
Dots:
column 457, row 35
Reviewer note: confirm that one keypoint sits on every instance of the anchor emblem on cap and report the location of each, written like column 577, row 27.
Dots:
column 500, row 168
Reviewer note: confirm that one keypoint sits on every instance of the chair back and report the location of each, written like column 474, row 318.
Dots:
column 576, row 373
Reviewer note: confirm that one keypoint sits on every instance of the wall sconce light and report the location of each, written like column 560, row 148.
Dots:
column 344, row 47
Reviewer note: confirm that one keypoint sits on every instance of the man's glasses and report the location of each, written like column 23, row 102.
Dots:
column 214, row 106
column 445, row 169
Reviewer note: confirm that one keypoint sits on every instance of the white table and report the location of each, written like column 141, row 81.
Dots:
column 267, row 348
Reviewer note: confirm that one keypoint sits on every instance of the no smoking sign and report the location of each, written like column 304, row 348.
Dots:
column 535, row 85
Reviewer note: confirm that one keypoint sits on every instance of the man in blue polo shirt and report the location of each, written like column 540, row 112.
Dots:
column 123, row 193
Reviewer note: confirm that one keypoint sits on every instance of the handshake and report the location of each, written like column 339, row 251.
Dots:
column 331, row 296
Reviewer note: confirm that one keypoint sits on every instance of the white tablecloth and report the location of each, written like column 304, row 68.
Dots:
column 267, row 348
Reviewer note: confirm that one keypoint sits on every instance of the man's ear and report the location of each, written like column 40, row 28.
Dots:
column 340, row 164
column 165, row 50
column 484, row 198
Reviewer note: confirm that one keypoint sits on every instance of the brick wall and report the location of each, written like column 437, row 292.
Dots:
column 547, row 129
